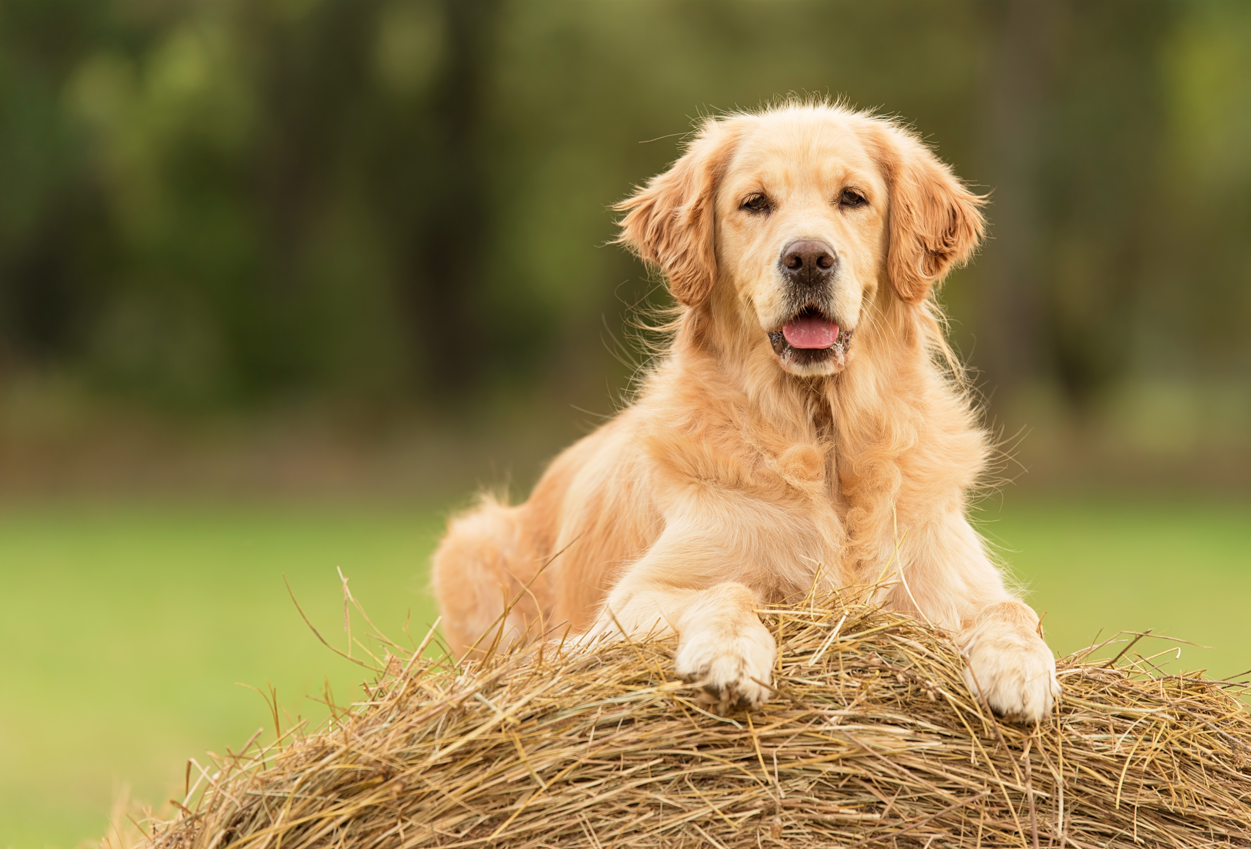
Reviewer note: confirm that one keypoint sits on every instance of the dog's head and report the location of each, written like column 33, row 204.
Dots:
column 789, row 222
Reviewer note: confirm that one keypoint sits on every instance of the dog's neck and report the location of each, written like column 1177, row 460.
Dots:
column 734, row 359
column 891, row 400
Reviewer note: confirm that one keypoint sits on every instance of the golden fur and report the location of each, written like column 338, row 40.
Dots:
column 739, row 476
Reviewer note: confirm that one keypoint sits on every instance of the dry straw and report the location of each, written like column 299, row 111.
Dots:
column 870, row 740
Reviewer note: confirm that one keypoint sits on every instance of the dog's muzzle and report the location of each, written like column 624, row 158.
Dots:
column 810, row 339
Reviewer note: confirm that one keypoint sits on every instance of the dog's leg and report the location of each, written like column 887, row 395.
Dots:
column 481, row 569
column 949, row 580
column 680, row 586
column 722, row 645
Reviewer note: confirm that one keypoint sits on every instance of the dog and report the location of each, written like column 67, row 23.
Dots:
column 808, row 425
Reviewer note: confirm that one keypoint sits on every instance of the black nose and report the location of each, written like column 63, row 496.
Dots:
column 808, row 261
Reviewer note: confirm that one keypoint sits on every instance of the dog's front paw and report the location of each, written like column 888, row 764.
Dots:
column 1013, row 669
column 731, row 664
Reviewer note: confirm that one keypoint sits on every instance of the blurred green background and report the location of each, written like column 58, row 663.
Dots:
column 283, row 281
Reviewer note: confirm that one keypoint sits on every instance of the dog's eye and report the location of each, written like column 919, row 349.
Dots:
column 851, row 198
column 757, row 204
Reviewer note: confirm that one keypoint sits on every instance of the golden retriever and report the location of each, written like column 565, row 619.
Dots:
column 804, row 426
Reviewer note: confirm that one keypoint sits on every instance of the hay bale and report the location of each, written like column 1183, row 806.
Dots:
column 871, row 740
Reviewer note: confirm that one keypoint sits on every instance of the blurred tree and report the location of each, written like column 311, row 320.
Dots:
column 434, row 197
column 1020, row 86
column 1098, row 181
column 312, row 77
column 1073, row 140
column 53, row 233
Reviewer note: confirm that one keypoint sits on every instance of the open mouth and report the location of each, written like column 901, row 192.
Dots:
column 811, row 339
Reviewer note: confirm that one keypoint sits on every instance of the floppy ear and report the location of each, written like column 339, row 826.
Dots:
column 935, row 222
column 669, row 222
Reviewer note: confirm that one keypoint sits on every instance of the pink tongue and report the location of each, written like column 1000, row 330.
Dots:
column 810, row 332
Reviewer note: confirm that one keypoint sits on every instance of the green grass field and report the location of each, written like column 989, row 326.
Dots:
column 126, row 627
